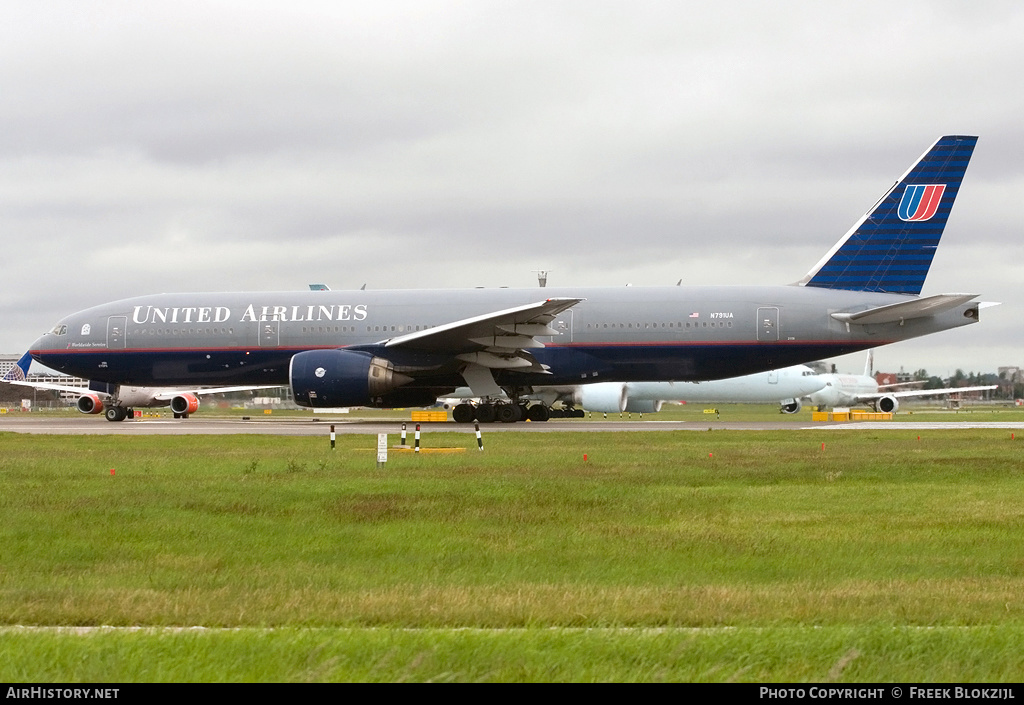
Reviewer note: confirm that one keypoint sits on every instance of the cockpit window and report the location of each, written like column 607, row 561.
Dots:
column 60, row 329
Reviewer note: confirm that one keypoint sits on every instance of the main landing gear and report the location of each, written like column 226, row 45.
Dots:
column 510, row 413
column 118, row 413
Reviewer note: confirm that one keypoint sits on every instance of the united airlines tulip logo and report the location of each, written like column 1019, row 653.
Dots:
column 920, row 202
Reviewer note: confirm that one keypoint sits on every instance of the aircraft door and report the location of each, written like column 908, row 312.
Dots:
column 116, row 331
column 563, row 324
column 270, row 334
column 768, row 324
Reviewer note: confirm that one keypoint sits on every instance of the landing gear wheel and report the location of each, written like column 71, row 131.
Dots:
column 485, row 413
column 507, row 413
column 115, row 413
column 463, row 413
column 538, row 412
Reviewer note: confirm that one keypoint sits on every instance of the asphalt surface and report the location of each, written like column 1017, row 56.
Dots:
column 94, row 425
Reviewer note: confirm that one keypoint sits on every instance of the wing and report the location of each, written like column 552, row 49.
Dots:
column 55, row 387
column 924, row 392
column 171, row 393
column 496, row 340
column 493, row 341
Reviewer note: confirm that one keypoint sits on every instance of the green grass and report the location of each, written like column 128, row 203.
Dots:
column 663, row 556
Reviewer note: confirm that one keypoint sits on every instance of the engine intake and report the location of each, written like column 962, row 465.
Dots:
column 185, row 403
column 90, row 404
column 887, row 405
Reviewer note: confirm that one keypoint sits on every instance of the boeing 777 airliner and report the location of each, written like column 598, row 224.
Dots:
column 408, row 347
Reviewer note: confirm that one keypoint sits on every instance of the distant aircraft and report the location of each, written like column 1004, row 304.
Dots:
column 408, row 347
column 853, row 390
column 785, row 387
column 118, row 403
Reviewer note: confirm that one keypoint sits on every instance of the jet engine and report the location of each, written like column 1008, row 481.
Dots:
column 185, row 403
column 790, row 406
column 643, row 406
column 612, row 398
column 90, row 404
column 887, row 405
column 330, row 378
column 603, row 397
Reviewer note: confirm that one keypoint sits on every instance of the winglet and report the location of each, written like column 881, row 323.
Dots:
column 20, row 370
column 891, row 247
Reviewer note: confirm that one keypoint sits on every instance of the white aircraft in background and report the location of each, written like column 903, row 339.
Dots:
column 121, row 402
column 851, row 390
column 784, row 387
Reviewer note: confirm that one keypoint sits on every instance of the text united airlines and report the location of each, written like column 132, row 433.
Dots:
column 222, row 314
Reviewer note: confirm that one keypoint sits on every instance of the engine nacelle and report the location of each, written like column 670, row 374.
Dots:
column 887, row 405
column 643, row 406
column 603, row 397
column 185, row 403
column 790, row 406
column 90, row 404
column 330, row 378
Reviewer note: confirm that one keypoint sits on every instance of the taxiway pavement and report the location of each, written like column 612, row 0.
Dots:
column 92, row 425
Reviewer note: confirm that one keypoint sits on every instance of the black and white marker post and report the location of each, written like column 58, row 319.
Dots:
column 403, row 434
column 479, row 438
column 332, row 436
column 417, row 449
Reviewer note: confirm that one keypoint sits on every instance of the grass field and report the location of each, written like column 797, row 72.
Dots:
column 751, row 556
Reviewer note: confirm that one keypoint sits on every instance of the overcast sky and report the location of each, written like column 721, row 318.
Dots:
column 205, row 146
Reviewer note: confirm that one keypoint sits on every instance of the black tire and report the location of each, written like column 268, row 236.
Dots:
column 538, row 412
column 485, row 413
column 463, row 413
column 507, row 413
column 114, row 413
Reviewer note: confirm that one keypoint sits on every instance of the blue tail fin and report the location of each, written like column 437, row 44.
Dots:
column 891, row 248
column 19, row 371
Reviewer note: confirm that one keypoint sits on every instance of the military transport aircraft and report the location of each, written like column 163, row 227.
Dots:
column 408, row 347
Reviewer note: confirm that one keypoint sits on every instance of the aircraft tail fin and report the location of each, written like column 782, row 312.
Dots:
column 20, row 370
column 891, row 247
column 869, row 364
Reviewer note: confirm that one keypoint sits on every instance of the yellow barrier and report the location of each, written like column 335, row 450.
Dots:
column 427, row 416
column 870, row 416
column 850, row 416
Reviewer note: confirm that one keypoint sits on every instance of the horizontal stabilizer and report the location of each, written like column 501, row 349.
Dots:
column 905, row 310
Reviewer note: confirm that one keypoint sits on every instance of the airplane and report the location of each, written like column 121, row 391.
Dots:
column 397, row 348
column 853, row 390
column 118, row 402
column 786, row 387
